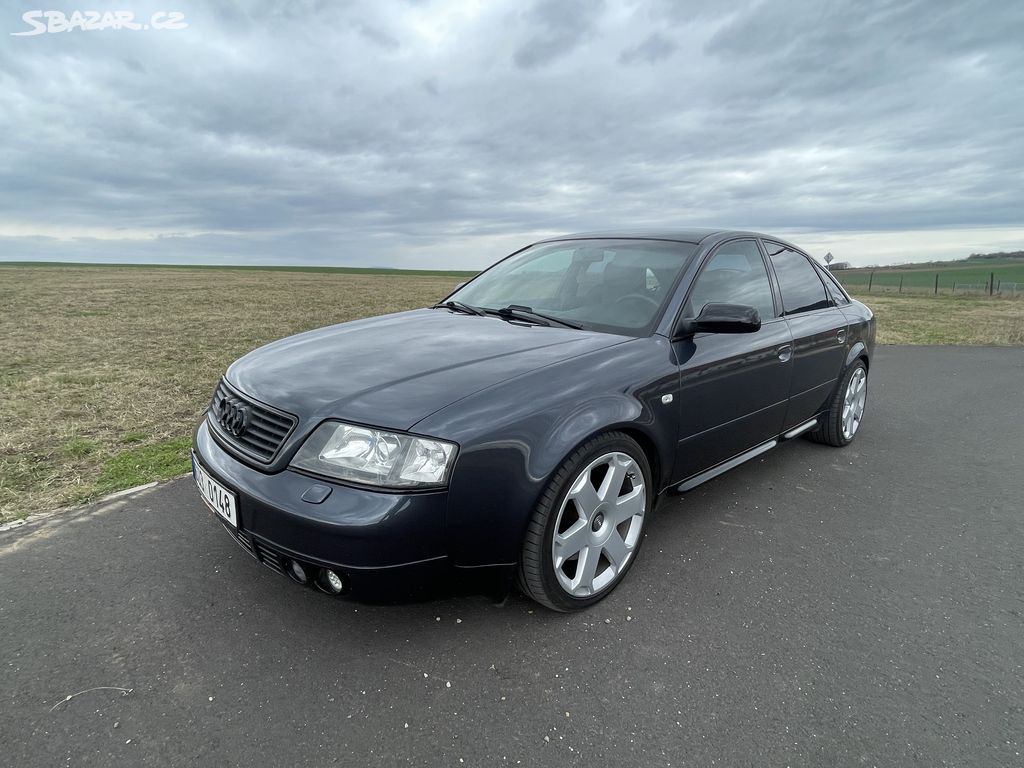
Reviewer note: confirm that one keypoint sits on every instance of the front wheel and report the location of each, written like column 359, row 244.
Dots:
column 840, row 423
column 587, row 529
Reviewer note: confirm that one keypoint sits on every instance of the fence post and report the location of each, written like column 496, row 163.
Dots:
column 954, row 288
column 936, row 283
column 991, row 282
column 901, row 285
column 871, row 278
column 999, row 287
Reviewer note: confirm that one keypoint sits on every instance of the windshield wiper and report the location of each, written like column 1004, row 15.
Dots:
column 526, row 314
column 460, row 306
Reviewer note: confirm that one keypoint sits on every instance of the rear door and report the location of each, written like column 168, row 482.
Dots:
column 734, row 386
column 819, row 331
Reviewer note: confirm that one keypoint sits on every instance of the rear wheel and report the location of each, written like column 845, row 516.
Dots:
column 587, row 529
column 839, row 425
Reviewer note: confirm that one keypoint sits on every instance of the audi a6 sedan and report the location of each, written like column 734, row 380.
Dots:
column 524, row 426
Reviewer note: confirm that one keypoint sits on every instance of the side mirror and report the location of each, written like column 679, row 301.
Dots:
column 720, row 318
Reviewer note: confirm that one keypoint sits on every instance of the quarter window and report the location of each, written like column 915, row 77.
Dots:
column 799, row 283
column 832, row 286
column 735, row 274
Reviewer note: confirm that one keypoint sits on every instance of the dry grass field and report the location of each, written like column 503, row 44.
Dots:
column 909, row 319
column 104, row 370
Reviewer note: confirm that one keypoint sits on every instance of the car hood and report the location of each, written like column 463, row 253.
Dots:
column 395, row 370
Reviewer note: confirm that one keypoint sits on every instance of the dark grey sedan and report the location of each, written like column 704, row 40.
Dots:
column 523, row 427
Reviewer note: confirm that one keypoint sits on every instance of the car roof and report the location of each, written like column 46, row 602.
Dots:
column 695, row 235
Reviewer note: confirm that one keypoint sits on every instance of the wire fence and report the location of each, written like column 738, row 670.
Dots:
column 919, row 283
column 999, row 289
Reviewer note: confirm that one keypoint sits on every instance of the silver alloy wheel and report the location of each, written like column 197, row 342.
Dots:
column 853, row 403
column 598, row 527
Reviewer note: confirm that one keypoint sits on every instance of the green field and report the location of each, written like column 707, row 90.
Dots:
column 968, row 276
column 104, row 371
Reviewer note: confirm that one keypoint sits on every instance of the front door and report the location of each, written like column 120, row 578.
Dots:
column 733, row 387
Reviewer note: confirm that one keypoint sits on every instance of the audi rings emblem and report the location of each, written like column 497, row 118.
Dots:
column 233, row 417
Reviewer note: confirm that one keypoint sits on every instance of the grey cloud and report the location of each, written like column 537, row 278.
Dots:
column 282, row 133
column 556, row 28
column 375, row 35
column 430, row 86
column 676, row 12
column 654, row 48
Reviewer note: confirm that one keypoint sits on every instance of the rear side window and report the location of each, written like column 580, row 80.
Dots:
column 735, row 274
column 801, row 287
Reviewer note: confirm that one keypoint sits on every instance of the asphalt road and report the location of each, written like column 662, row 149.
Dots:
column 818, row 607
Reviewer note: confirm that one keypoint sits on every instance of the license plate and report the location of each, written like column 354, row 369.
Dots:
column 217, row 497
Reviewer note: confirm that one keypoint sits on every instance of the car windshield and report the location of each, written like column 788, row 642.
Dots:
column 615, row 286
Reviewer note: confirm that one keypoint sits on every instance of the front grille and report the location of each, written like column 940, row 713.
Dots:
column 253, row 429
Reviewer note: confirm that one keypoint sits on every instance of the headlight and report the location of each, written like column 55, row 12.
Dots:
column 375, row 456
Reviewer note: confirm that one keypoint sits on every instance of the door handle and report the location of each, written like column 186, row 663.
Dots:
column 841, row 335
column 785, row 352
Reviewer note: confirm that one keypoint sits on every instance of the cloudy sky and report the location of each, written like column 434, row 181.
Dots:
column 445, row 134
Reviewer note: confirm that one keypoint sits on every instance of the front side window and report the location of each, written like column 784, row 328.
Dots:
column 735, row 274
column 615, row 286
column 799, row 283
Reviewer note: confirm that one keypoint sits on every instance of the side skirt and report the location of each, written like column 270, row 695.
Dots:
column 805, row 427
column 725, row 466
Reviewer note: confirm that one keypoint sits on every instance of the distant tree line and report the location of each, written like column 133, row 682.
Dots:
column 1000, row 255
column 843, row 265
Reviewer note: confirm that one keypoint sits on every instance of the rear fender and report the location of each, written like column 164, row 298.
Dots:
column 859, row 349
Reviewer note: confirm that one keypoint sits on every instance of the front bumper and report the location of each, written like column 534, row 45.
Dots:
column 378, row 542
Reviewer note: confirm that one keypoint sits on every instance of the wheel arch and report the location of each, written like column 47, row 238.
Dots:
column 609, row 414
column 646, row 443
column 521, row 463
column 618, row 414
column 858, row 351
column 534, row 575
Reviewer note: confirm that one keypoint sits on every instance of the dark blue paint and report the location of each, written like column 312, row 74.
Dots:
column 516, row 399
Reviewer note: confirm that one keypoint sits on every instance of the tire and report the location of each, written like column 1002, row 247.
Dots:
column 597, row 528
column 832, row 429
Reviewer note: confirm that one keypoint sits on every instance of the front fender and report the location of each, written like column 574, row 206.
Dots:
column 636, row 416
column 514, row 437
column 498, row 484
column 577, row 426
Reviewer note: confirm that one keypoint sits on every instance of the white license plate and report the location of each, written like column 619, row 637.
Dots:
column 220, row 499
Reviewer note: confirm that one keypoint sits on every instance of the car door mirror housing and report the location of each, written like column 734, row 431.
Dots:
column 720, row 318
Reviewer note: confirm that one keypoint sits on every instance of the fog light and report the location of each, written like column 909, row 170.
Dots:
column 330, row 582
column 297, row 572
